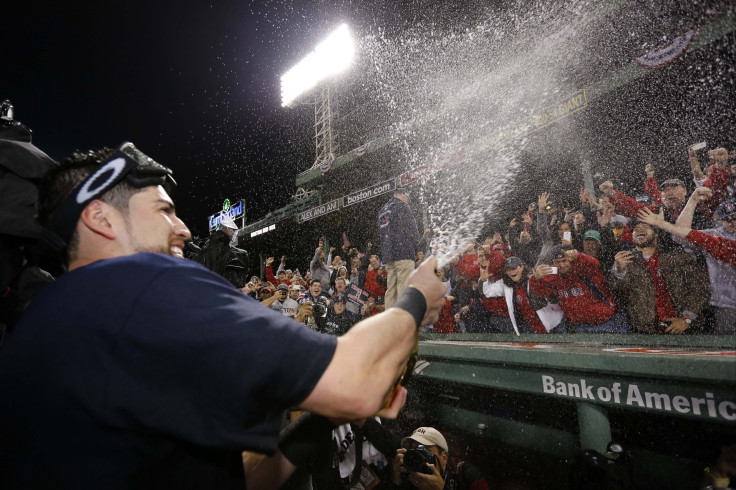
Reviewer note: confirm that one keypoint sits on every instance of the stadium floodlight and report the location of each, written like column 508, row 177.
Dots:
column 330, row 57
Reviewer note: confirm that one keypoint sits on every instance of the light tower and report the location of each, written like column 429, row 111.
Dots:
column 330, row 57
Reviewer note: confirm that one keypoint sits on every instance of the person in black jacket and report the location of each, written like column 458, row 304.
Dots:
column 338, row 320
column 220, row 257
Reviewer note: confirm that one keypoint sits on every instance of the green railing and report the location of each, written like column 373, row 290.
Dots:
column 689, row 378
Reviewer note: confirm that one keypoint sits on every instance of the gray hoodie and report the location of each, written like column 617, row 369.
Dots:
column 320, row 270
column 722, row 275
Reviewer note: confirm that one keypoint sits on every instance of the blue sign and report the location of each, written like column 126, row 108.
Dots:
column 235, row 211
column 357, row 295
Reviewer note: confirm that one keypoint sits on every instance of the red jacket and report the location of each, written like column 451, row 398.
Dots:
column 717, row 181
column 721, row 248
column 372, row 286
column 445, row 323
column 577, row 300
column 651, row 187
column 468, row 268
column 495, row 263
column 272, row 279
column 497, row 306
column 629, row 206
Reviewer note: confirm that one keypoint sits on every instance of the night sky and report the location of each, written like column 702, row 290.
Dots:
column 193, row 84
column 196, row 86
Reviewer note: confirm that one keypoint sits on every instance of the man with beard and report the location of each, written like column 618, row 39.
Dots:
column 666, row 289
column 720, row 247
column 139, row 369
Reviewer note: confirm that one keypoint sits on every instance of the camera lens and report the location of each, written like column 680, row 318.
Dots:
column 415, row 460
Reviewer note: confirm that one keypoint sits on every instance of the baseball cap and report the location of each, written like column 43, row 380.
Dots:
column 558, row 251
column 266, row 288
column 670, row 182
column 726, row 211
column 428, row 436
column 339, row 298
column 593, row 234
column 618, row 221
column 295, row 287
column 282, row 287
column 512, row 263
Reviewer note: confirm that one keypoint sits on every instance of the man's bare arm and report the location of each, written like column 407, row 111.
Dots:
column 686, row 215
column 369, row 358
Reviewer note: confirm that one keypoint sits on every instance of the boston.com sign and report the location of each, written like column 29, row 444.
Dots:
column 369, row 192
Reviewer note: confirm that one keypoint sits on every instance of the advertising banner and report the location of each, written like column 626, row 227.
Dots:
column 235, row 211
column 318, row 211
column 369, row 192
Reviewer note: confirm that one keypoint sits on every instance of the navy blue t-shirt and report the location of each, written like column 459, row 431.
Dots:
column 147, row 371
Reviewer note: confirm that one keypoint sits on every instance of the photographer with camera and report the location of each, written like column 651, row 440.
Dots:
column 336, row 320
column 281, row 302
column 424, row 462
column 315, row 303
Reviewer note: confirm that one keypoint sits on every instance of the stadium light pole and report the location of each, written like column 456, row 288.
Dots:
column 331, row 57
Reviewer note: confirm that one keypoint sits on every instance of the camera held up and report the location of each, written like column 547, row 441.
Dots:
column 415, row 460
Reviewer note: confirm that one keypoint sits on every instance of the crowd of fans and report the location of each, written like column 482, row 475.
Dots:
column 665, row 263
column 614, row 264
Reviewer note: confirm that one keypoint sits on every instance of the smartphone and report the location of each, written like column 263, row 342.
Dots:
column 698, row 146
column 567, row 236
column 554, row 270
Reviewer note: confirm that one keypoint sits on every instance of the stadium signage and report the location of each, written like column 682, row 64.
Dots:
column 234, row 211
column 369, row 192
column 318, row 211
column 704, row 405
